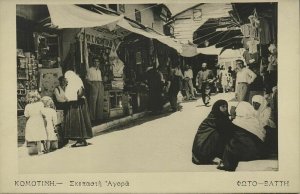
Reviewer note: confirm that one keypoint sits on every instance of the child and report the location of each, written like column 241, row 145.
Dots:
column 35, row 131
column 50, row 115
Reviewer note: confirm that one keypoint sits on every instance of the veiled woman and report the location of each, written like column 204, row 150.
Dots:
column 77, row 120
column 212, row 134
column 247, row 140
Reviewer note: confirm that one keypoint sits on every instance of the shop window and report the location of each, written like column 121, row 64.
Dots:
column 116, row 99
column 138, row 16
column 197, row 14
column 113, row 7
column 122, row 8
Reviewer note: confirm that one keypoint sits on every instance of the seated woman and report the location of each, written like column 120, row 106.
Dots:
column 212, row 134
column 263, row 113
column 247, row 139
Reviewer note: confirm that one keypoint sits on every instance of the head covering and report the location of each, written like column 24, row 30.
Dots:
column 262, row 101
column 74, row 84
column 216, row 107
column 246, row 119
column 264, row 112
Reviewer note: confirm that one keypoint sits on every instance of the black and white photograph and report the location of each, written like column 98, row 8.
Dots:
column 165, row 87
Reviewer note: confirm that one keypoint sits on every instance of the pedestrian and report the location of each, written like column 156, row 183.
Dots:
column 77, row 120
column 232, row 75
column 35, row 131
column 59, row 94
column 60, row 102
column 212, row 134
column 224, row 79
column 247, row 138
column 266, row 121
column 204, row 80
column 244, row 77
column 189, row 87
column 175, row 79
column 96, row 91
column 155, row 83
column 50, row 115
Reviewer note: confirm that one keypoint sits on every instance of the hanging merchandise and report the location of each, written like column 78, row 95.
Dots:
column 272, row 58
column 264, row 31
column 252, row 45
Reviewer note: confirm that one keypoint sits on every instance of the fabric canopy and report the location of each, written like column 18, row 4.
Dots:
column 212, row 50
column 72, row 16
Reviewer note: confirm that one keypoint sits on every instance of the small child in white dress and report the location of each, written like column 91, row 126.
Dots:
column 50, row 115
column 35, row 131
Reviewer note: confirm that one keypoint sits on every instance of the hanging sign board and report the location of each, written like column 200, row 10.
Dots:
column 100, row 38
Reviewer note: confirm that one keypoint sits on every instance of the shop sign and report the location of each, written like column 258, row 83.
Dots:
column 102, row 39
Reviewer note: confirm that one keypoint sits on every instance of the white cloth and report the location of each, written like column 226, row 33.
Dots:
column 246, row 119
column 35, row 127
column 74, row 84
column 188, row 73
column 94, row 74
column 72, row 16
column 245, row 75
column 51, row 120
column 264, row 112
column 252, row 45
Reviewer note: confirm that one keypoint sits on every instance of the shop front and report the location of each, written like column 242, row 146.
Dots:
column 125, row 53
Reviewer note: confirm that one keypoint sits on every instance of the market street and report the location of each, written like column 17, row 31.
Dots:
column 151, row 144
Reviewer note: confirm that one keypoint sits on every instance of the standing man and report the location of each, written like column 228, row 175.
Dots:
column 244, row 77
column 204, row 80
column 189, row 88
column 96, row 91
column 175, row 78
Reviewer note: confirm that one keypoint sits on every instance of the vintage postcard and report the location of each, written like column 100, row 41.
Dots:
column 149, row 97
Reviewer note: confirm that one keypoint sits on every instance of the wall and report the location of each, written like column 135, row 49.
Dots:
column 68, row 37
column 147, row 17
column 184, row 25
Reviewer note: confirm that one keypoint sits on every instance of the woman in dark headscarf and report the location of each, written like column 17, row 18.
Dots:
column 212, row 134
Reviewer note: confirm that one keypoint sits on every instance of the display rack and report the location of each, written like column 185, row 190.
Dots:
column 27, row 77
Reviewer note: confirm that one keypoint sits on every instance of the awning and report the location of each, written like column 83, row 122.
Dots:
column 72, row 16
column 212, row 50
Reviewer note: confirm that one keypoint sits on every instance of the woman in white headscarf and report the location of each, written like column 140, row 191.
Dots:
column 247, row 141
column 77, row 120
column 264, row 115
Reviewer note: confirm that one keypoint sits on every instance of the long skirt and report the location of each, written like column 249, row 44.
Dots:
column 243, row 146
column 205, row 151
column 77, row 120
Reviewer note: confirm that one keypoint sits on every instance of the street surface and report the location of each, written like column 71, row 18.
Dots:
column 152, row 144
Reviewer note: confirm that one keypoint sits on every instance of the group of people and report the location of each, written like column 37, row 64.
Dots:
column 41, row 113
column 82, row 103
column 247, row 133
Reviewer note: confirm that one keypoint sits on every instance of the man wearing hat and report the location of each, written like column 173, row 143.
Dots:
column 203, row 80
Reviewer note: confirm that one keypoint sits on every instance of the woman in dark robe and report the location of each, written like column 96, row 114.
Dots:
column 155, row 83
column 212, row 134
column 247, row 138
column 77, row 119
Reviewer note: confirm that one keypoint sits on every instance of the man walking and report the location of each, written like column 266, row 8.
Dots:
column 203, row 80
column 244, row 77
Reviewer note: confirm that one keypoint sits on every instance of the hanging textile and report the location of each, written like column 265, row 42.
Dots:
column 72, row 16
column 264, row 31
